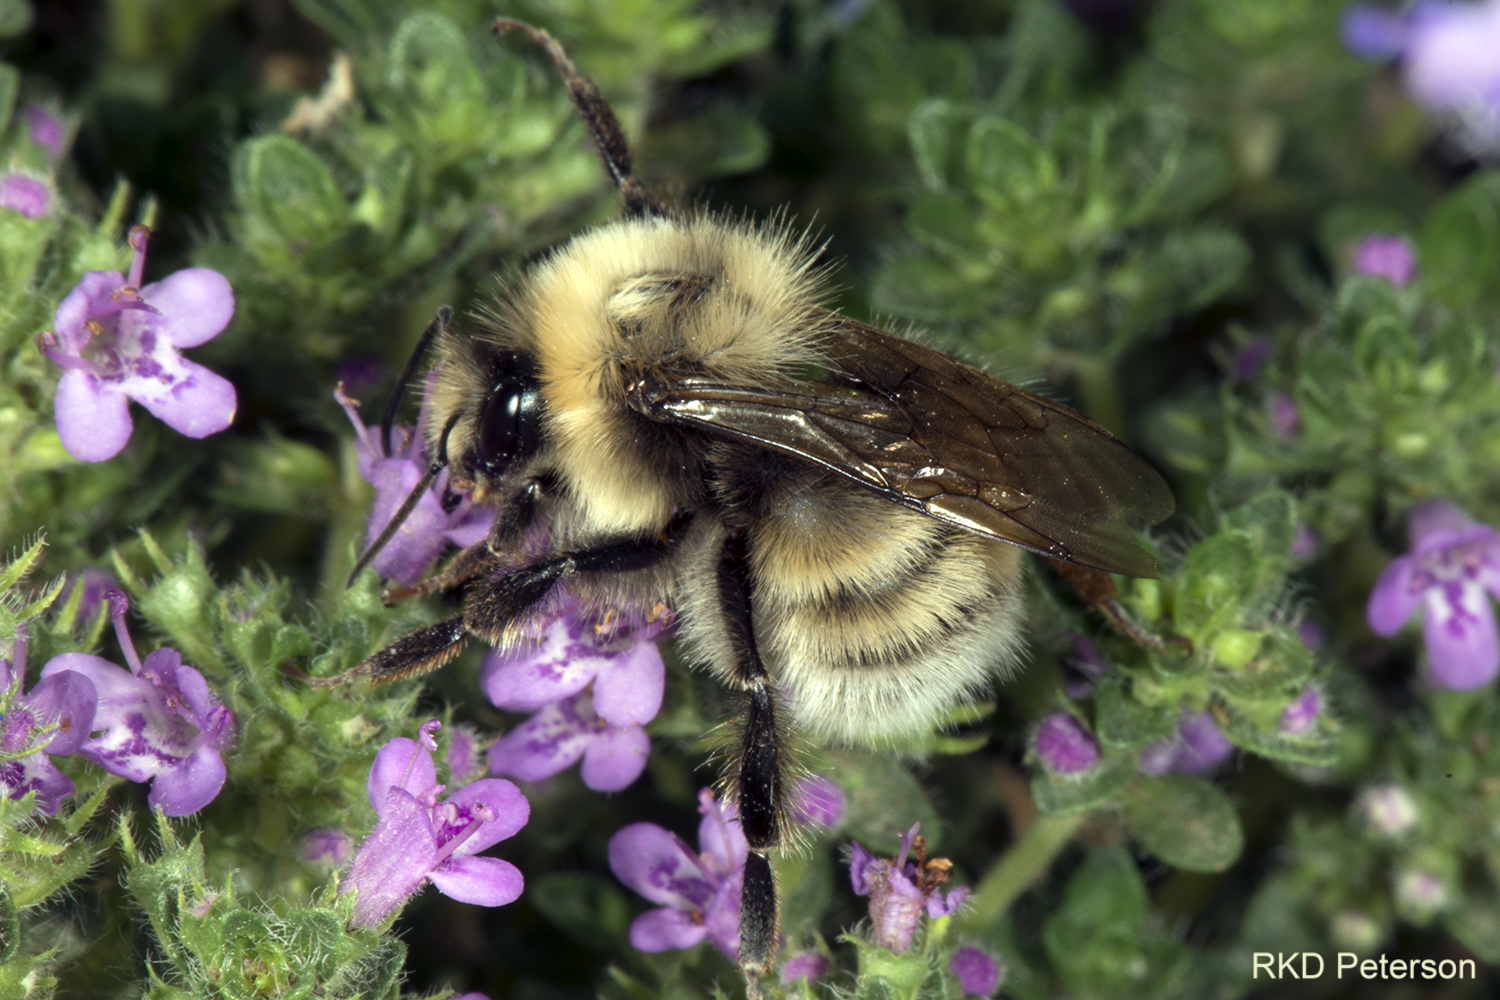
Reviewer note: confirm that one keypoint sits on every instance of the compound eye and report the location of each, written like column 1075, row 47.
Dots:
column 507, row 427
column 500, row 426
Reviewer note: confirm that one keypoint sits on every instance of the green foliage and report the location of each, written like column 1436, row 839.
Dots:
column 220, row 947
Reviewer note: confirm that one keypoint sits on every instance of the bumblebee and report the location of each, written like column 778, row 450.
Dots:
column 663, row 413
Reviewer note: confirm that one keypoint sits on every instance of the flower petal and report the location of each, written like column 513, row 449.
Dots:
column 1462, row 644
column 560, row 666
column 420, row 539
column 137, row 738
column 861, row 864
column 196, row 304
column 1392, row 599
column 391, row 864
column 614, row 758
column 664, row 930
column 190, row 784
column 470, row 527
column 187, row 397
column 36, row 773
column 720, row 837
column 548, row 742
column 628, row 688
column 658, row 865
column 511, row 808
column 93, row 416
column 481, row 881
column 939, row 905
column 721, row 920
column 65, row 698
column 94, row 291
column 395, row 767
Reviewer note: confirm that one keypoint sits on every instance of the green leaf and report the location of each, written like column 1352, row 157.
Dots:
column 15, row 19
column 902, row 975
column 287, row 189
column 1317, row 747
column 10, row 80
column 1459, row 245
column 1185, row 821
column 21, row 566
column 1093, row 939
column 10, row 926
column 927, row 286
column 936, row 130
column 1004, row 165
column 430, row 61
column 1123, row 721
column 1064, row 795
column 1216, row 575
column 884, row 800
column 1271, row 519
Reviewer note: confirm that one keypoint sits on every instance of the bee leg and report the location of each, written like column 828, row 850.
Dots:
column 514, row 520
column 497, row 605
column 473, row 561
column 1098, row 590
column 759, row 783
column 603, row 127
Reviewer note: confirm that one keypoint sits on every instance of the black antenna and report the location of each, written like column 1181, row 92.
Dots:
column 443, row 321
column 392, row 526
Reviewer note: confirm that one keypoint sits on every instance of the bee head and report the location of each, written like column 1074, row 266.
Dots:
column 507, row 427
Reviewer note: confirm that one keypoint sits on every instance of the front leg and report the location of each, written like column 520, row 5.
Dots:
column 499, row 604
column 759, row 782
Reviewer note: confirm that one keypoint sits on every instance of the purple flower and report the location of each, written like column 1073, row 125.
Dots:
column 1388, row 257
column 1448, row 57
column 555, row 738
column 1304, row 542
column 978, row 974
column 1064, row 746
column 809, row 965
column 440, row 517
column 900, row 890
column 1299, row 716
column 1252, row 357
column 1421, row 895
column 418, row 838
column 156, row 722
column 327, row 847
column 619, row 658
column 463, row 757
column 119, row 341
column 1286, row 419
column 698, row 894
column 1312, row 634
column 96, row 583
column 1452, row 563
column 1198, row 746
column 26, row 195
column 46, row 130
column 595, row 686
column 817, row 801
column 54, row 718
column 1389, row 809
column 1373, row 32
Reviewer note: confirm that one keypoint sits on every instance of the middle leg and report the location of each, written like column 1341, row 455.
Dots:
column 759, row 778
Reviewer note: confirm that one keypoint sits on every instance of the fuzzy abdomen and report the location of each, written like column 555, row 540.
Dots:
column 873, row 619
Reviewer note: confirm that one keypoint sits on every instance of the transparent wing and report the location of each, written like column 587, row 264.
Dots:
column 944, row 439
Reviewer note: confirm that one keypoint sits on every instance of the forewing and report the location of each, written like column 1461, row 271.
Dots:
column 944, row 439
